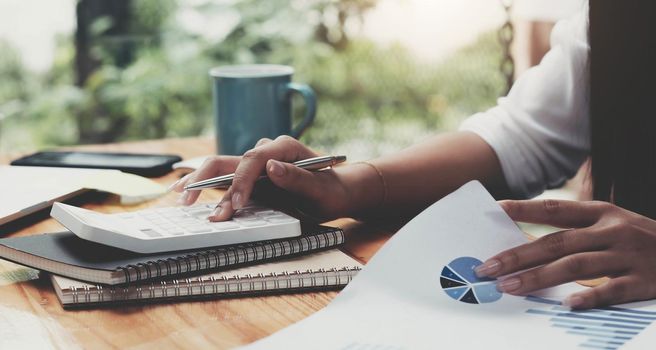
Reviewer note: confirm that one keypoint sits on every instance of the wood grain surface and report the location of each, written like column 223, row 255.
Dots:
column 31, row 316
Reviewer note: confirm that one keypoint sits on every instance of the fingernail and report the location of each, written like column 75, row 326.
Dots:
column 509, row 285
column 170, row 188
column 573, row 301
column 184, row 198
column 488, row 268
column 236, row 201
column 216, row 212
column 276, row 168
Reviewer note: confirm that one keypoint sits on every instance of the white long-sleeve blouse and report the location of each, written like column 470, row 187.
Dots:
column 540, row 131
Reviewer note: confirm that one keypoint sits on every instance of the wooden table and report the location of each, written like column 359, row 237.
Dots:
column 31, row 316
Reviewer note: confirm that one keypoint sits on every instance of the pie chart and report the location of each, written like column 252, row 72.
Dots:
column 460, row 282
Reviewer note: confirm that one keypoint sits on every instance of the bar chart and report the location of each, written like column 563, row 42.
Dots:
column 603, row 328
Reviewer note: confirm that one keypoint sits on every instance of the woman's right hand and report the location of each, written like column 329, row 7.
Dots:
column 324, row 194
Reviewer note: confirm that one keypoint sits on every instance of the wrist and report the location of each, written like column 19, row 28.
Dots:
column 364, row 186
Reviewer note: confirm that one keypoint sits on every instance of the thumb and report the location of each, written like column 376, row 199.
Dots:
column 293, row 179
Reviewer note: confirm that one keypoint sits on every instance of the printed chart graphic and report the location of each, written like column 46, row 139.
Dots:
column 603, row 328
column 461, row 283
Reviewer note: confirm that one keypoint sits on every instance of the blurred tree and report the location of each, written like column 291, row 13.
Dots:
column 332, row 28
column 396, row 100
column 128, row 57
column 268, row 27
column 108, row 36
column 372, row 99
column 99, row 19
column 13, row 75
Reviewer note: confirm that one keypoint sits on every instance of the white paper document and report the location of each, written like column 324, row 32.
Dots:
column 25, row 189
column 419, row 292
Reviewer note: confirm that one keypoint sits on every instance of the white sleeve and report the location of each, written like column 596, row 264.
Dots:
column 540, row 131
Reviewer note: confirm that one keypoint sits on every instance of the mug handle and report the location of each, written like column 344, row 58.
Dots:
column 310, row 107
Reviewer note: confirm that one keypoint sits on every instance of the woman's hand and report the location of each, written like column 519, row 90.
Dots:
column 324, row 194
column 603, row 240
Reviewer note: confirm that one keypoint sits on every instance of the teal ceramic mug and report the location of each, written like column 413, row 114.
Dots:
column 254, row 101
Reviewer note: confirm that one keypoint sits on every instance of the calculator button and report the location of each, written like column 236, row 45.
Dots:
column 142, row 225
column 201, row 213
column 268, row 214
column 190, row 209
column 252, row 223
column 276, row 215
column 151, row 233
column 186, row 222
column 223, row 225
column 167, row 226
column 280, row 219
column 199, row 229
column 264, row 211
column 252, row 218
column 177, row 215
column 242, row 215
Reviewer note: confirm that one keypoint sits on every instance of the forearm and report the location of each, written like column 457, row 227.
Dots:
column 421, row 174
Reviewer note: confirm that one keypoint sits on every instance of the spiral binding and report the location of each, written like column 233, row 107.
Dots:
column 212, row 286
column 222, row 257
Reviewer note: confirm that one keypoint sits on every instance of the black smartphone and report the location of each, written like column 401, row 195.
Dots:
column 141, row 164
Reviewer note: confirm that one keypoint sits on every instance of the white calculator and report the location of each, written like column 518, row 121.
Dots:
column 175, row 228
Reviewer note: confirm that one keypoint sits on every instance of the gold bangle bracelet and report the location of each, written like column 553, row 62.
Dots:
column 382, row 182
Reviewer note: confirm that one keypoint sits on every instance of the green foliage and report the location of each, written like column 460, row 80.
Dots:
column 371, row 99
column 386, row 98
column 15, row 79
column 29, row 115
column 150, row 16
column 154, row 97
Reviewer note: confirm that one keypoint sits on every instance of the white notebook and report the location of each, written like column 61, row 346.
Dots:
column 328, row 269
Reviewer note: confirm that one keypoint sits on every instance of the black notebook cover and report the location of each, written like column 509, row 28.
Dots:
column 66, row 254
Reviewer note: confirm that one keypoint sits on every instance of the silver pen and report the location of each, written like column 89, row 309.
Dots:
column 312, row 164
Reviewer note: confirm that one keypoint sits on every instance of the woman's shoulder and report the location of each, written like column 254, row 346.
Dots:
column 573, row 30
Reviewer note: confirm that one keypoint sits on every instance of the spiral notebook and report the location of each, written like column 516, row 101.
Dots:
column 66, row 254
column 324, row 270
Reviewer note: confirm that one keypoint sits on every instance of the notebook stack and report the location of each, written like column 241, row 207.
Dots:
column 85, row 274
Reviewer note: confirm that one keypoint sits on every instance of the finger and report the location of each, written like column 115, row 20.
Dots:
column 294, row 179
column 223, row 210
column 213, row 166
column 253, row 163
column 541, row 251
column 559, row 213
column 567, row 269
column 188, row 197
column 616, row 291
column 176, row 185
column 263, row 141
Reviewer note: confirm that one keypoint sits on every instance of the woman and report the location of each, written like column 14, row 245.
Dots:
column 590, row 97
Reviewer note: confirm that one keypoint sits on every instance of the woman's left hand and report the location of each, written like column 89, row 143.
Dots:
column 600, row 240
